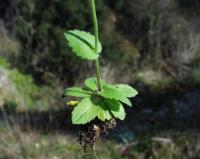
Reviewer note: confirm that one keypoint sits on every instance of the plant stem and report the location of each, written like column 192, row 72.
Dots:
column 98, row 74
column 96, row 31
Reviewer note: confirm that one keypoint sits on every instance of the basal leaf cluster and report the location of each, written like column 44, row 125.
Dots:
column 104, row 104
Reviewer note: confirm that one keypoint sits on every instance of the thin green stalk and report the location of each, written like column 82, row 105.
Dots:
column 96, row 31
column 98, row 74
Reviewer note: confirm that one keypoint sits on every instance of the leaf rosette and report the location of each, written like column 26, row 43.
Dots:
column 104, row 104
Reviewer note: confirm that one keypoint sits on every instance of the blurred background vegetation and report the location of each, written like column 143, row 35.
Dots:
column 151, row 44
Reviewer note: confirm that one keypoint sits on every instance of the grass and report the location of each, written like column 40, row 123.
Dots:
column 19, row 144
column 16, row 143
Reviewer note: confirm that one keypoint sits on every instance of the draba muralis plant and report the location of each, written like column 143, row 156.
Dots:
column 100, row 102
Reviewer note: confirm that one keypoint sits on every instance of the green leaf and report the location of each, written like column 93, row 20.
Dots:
column 83, row 44
column 77, row 92
column 88, row 109
column 104, row 114
column 91, row 83
column 127, row 90
column 125, row 100
column 111, row 92
column 85, row 112
column 103, row 111
column 116, row 108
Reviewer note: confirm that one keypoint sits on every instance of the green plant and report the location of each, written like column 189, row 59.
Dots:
column 4, row 63
column 101, row 102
